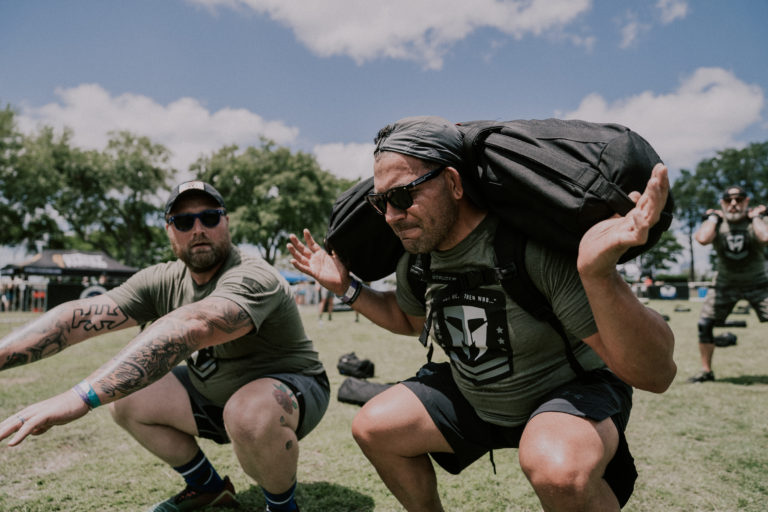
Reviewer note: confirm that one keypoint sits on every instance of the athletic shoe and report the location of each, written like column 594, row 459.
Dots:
column 189, row 499
column 702, row 377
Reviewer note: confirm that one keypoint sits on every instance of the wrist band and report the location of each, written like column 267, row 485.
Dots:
column 353, row 292
column 87, row 394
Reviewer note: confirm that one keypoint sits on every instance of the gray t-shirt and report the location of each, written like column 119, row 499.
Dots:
column 504, row 360
column 278, row 342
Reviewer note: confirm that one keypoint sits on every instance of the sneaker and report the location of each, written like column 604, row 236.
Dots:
column 702, row 377
column 189, row 499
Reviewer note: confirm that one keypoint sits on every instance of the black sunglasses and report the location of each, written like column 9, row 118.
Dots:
column 399, row 197
column 186, row 221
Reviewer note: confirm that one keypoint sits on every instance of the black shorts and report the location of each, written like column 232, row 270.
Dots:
column 313, row 393
column 598, row 395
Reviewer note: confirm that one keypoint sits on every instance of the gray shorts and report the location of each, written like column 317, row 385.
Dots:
column 721, row 300
column 598, row 395
column 313, row 393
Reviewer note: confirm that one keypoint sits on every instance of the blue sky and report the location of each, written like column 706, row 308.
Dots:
column 324, row 76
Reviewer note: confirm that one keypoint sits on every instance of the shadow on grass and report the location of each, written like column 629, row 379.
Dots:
column 314, row 497
column 746, row 380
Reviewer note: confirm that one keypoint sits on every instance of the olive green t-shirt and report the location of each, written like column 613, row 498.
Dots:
column 277, row 343
column 503, row 360
column 740, row 254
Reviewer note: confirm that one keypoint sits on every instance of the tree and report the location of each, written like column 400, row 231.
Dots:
column 271, row 192
column 66, row 197
column 695, row 193
column 28, row 186
column 11, row 218
column 666, row 252
column 747, row 167
column 689, row 198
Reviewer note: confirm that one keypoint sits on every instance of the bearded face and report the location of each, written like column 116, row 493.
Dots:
column 429, row 222
column 203, row 249
column 202, row 253
column 735, row 208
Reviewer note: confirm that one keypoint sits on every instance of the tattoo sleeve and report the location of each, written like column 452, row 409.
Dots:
column 169, row 341
column 58, row 329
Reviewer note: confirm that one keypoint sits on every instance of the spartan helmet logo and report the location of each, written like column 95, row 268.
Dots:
column 468, row 329
column 736, row 245
column 735, row 242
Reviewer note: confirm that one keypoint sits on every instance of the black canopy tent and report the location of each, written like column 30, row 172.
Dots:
column 53, row 262
column 57, row 265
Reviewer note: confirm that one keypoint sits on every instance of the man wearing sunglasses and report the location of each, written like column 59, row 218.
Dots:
column 738, row 235
column 252, row 377
column 507, row 382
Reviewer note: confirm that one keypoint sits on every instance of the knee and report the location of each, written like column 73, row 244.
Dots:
column 244, row 422
column 706, row 327
column 122, row 410
column 556, row 473
column 364, row 426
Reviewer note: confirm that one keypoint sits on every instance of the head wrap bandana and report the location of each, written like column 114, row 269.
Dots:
column 426, row 138
column 733, row 191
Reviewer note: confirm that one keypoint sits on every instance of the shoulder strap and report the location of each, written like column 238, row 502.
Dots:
column 418, row 272
column 509, row 245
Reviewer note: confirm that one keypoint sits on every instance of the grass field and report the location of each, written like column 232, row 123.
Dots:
column 698, row 447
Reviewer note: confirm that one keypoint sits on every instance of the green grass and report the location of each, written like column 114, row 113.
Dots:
column 701, row 447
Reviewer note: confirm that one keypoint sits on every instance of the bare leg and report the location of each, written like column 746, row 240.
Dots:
column 261, row 419
column 396, row 433
column 706, row 350
column 160, row 418
column 564, row 458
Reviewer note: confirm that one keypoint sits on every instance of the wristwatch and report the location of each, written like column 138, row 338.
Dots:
column 353, row 292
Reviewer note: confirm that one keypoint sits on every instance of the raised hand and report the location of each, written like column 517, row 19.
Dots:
column 311, row 259
column 757, row 211
column 605, row 242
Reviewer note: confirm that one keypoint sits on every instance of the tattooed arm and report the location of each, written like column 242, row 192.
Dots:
column 167, row 342
column 149, row 356
column 61, row 327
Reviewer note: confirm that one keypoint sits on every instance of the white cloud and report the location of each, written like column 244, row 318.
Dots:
column 671, row 10
column 349, row 161
column 706, row 113
column 631, row 32
column 185, row 126
column 420, row 31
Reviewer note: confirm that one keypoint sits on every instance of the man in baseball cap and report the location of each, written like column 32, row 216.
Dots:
column 252, row 377
column 200, row 187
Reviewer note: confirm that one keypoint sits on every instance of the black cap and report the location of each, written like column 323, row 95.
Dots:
column 734, row 191
column 192, row 186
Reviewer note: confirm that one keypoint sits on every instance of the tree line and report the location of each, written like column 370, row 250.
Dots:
column 54, row 195
column 58, row 196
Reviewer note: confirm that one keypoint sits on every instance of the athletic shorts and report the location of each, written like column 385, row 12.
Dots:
column 313, row 392
column 598, row 395
column 721, row 300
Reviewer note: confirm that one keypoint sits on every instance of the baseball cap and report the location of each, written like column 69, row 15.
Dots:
column 192, row 186
column 734, row 191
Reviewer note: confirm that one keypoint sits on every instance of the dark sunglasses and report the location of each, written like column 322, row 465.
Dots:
column 399, row 197
column 738, row 199
column 186, row 221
